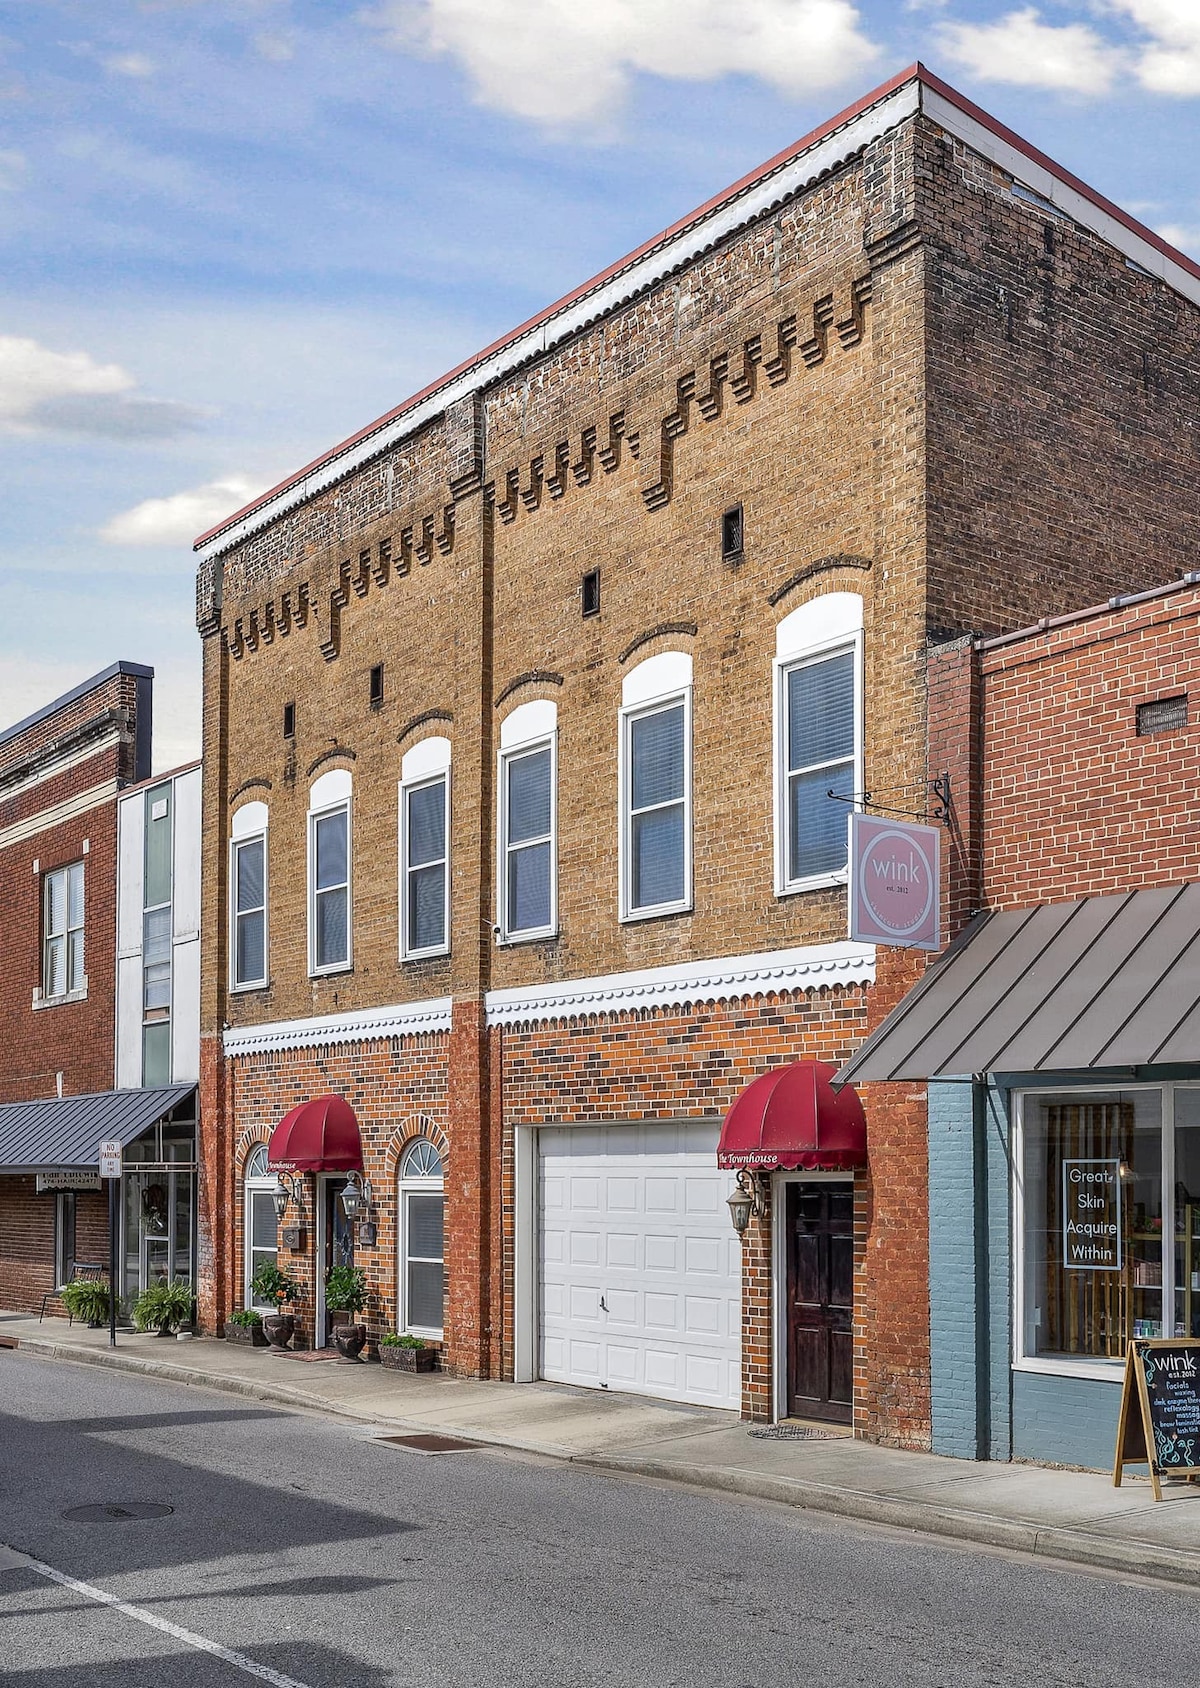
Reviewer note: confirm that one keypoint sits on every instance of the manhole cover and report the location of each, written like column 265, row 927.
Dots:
column 794, row 1433
column 428, row 1442
column 117, row 1511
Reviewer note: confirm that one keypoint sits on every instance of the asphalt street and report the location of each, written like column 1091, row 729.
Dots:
column 315, row 1554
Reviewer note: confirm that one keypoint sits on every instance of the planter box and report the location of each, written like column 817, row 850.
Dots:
column 406, row 1359
column 248, row 1336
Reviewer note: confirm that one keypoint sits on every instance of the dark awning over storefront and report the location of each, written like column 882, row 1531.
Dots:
column 318, row 1136
column 67, row 1131
column 1103, row 982
column 791, row 1118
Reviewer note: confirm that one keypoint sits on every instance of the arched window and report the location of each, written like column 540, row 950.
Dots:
column 248, row 898
column 425, row 850
column 527, row 890
column 422, row 1240
column 656, row 787
column 330, row 946
column 262, row 1227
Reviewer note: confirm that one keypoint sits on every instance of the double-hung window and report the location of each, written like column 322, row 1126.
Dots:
column 818, row 739
column 62, row 932
column 329, row 934
column 527, row 858
column 248, row 897
column 425, row 850
column 656, row 787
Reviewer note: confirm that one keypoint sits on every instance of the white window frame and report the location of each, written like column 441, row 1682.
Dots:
column 329, row 795
column 250, row 826
column 529, row 728
column 426, row 763
column 1107, row 1371
column 825, row 627
column 254, row 1184
column 659, row 683
column 406, row 1187
column 77, row 992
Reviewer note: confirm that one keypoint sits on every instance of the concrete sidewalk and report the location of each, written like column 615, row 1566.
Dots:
column 1067, row 1515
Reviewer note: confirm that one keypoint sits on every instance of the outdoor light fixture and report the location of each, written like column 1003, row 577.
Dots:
column 356, row 1197
column 744, row 1201
column 286, row 1190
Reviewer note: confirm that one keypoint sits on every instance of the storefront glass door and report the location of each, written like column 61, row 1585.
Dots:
column 157, row 1229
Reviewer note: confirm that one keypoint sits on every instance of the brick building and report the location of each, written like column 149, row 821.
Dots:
column 1074, row 1003
column 520, row 711
column 93, row 855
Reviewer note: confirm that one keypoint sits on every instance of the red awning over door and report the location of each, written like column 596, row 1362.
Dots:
column 318, row 1136
column 791, row 1117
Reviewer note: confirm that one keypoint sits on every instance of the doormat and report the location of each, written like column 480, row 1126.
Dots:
column 308, row 1353
column 794, row 1433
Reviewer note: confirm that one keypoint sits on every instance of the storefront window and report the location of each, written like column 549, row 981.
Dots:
column 1186, row 1195
column 1092, row 1213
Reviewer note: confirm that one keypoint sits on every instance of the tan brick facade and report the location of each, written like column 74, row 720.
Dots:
column 840, row 367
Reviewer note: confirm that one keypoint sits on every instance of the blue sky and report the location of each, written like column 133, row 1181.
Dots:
column 233, row 231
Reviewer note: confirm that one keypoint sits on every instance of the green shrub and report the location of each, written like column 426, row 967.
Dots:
column 391, row 1340
column 346, row 1289
column 246, row 1318
column 271, row 1283
column 164, row 1306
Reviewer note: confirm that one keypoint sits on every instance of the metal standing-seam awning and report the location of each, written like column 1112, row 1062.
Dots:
column 1101, row 982
column 67, row 1131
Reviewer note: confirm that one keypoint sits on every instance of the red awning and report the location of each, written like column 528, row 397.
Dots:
column 790, row 1117
column 318, row 1136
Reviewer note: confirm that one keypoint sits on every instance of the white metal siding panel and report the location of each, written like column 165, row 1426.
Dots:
column 185, row 1012
column 129, row 1021
column 185, row 887
column 131, row 846
column 639, row 1267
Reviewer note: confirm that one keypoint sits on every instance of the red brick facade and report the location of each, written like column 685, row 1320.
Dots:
column 60, row 772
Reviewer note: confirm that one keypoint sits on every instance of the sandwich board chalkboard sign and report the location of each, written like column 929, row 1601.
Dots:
column 1160, row 1409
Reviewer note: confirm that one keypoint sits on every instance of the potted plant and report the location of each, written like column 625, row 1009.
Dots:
column 346, row 1295
column 246, row 1327
column 87, row 1300
column 405, row 1353
column 164, row 1306
column 270, row 1283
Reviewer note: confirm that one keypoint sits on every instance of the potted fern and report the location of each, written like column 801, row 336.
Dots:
column 346, row 1295
column 87, row 1300
column 164, row 1307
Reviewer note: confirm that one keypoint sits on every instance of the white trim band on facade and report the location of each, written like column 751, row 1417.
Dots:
column 362, row 1025
column 815, row 967
column 707, row 230
column 59, row 812
column 50, row 765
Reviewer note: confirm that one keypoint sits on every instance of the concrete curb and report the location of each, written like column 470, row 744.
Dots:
column 1074, row 1547
column 1077, row 1548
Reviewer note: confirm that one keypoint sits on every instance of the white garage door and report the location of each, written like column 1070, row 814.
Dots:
column 640, row 1283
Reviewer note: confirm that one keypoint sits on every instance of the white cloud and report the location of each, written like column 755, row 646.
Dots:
column 43, row 391
column 1169, row 63
column 563, row 61
column 177, row 519
column 1020, row 48
column 130, row 64
column 1185, row 236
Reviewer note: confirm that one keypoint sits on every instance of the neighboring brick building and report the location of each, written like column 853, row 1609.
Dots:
column 909, row 380
column 99, row 876
column 1075, row 1005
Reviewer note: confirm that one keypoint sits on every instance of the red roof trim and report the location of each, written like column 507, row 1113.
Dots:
column 916, row 71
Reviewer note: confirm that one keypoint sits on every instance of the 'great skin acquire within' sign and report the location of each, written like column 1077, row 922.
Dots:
column 1091, row 1210
column 895, row 879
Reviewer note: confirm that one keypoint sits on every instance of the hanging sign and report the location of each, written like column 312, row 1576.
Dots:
column 1091, row 1215
column 895, row 883
column 1160, row 1410
column 110, row 1160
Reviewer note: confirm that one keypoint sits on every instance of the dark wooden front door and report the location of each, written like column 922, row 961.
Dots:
column 820, row 1298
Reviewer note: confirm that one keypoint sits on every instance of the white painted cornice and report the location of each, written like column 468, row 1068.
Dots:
column 819, row 966
column 360, row 1025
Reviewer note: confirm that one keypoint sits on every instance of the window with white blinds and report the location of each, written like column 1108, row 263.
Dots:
column 656, row 788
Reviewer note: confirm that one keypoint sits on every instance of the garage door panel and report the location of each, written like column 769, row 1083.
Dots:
column 637, row 1216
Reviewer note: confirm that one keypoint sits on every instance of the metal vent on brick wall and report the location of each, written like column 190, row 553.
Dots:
column 1164, row 715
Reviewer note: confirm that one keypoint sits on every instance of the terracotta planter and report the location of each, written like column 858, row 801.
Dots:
column 350, row 1340
column 248, row 1336
column 406, row 1359
column 279, row 1328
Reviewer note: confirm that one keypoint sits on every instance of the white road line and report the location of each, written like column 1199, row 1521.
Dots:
column 12, row 1559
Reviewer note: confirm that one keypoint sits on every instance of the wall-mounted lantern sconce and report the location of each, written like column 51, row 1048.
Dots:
column 745, row 1200
column 356, row 1197
column 287, row 1190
